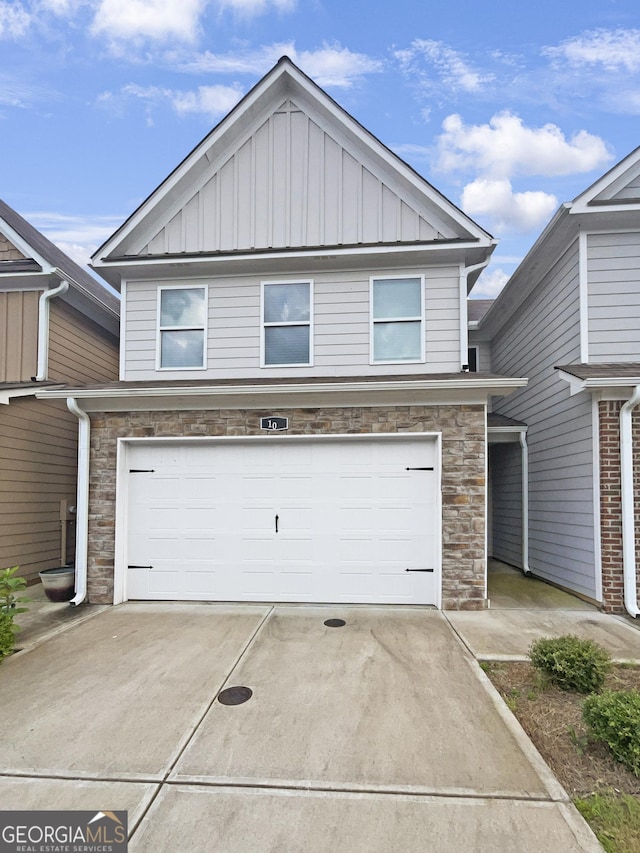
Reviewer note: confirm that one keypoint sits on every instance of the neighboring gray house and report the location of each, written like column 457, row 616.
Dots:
column 294, row 420
column 569, row 320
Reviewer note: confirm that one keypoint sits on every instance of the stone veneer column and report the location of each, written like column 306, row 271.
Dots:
column 611, row 503
column 463, row 476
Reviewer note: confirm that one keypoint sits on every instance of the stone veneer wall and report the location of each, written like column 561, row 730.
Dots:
column 463, row 476
column 611, row 503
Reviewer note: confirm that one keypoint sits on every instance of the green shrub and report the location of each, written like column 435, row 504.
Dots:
column 11, row 588
column 571, row 662
column 614, row 718
column 7, row 637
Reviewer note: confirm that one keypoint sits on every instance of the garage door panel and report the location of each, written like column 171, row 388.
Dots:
column 351, row 519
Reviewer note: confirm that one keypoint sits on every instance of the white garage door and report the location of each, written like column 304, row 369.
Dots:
column 343, row 520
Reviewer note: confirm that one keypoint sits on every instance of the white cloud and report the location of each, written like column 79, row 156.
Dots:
column 330, row 65
column 614, row 50
column 14, row 20
column 62, row 8
column 156, row 20
column 451, row 66
column 490, row 283
column 508, row 210
column 77, row 236
column 505, row 147
column 250, row 8
column 211, row 101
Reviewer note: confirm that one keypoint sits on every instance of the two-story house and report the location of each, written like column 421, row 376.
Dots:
column 569, row 320
column 57, row 325
column 294, row 420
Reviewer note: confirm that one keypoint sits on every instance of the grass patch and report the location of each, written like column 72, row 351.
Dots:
column 615, row 819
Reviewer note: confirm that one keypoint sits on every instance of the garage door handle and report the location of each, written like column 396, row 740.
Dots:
column 277, row 518
column 146, row 567
column 418, row 570
column 419, row 469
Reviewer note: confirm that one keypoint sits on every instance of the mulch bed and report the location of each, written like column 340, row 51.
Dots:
column 553, row 720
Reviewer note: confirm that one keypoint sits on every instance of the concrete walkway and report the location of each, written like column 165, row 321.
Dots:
column 380, row 735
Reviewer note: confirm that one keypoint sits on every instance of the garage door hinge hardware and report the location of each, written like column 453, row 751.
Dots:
column 418, row 570
column 419, row 469
column 139, row 567
column 142, row 470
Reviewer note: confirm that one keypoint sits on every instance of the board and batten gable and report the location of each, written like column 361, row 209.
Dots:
column 341, row 325
column 613, row 270
column 544, row 332
column 292, row 182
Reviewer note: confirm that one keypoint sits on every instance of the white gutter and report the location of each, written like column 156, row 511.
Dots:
column 525, row 502
column 628, row 507
column 43, row 327
column 464, row 314
column 82, row 506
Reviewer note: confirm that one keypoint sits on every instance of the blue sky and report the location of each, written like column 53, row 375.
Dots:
column 508, row 108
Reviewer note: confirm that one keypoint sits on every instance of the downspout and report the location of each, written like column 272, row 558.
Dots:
column 43, row 327
column 464, row 322
column 525, row 503
column 82, row 506
column 628, row 506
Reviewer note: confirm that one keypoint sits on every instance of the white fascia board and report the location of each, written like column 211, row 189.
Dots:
column 617, row 385
column 10, row 394
column 27, row 250
column 613, row 180
column 314, row 253
column 344, row 395
column 506, row 434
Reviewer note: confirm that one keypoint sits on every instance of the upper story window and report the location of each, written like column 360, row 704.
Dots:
column 286, row 323
column 397, row 319
column 182, row 328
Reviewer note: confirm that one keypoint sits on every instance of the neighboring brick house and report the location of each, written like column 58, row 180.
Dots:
column 57, row 325
column 571, row 314
column 294, row 418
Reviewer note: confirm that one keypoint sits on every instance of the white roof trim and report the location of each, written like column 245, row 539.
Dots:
column 598, row 383
column 494, row 384
column 24, row 247
column 615, row 179
column 286, row 67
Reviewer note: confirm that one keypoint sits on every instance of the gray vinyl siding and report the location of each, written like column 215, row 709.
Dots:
column 545, row 333
column 505, row 462
column 484, row 352
column 293, row 182
column 340, row 318
column 613, row 264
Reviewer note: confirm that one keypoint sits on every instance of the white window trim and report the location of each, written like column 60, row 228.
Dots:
column 309, row 323
column 160, row 329
column 372, row 322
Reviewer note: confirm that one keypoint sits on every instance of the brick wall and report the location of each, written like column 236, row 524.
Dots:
column 463, row 476
column 611, row 503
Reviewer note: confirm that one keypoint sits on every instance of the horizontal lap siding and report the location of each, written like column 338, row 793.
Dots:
column 506, row 497
column 613, row 262
column 38, row 452
column 544, row 333
column 79, row 350
column 341, row 327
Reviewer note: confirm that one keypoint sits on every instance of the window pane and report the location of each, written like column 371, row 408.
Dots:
column 182, row 307
column 286, row 303
column 286, row 345
column 399, row 297
column 182, row 349
column 397, row 342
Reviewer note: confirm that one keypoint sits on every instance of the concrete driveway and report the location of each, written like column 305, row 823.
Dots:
column 380, row 735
